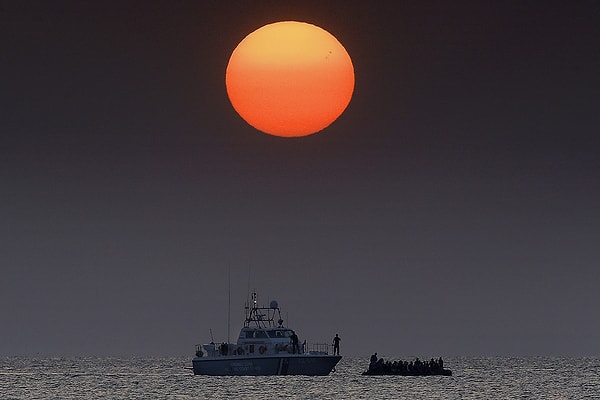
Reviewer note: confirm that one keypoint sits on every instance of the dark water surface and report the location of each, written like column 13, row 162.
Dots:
column 168, row 378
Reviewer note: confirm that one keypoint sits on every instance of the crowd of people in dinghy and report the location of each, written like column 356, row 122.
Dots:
column 400, row 367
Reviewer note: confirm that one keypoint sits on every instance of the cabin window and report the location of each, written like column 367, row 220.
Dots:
column 255, row 334
column 278, row 333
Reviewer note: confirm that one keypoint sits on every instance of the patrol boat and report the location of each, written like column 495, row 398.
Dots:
column 264, row 347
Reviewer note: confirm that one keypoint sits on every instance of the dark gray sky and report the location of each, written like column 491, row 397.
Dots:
column 453, row 209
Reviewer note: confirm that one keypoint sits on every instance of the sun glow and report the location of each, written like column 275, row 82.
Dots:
column 290, row 79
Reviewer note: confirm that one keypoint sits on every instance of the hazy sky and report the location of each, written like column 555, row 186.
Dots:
column 453, row 209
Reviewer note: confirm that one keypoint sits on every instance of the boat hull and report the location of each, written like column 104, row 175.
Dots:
column 444, row 372
column 301, row 364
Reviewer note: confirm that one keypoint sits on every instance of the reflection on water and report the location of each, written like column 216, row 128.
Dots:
column 144, row 378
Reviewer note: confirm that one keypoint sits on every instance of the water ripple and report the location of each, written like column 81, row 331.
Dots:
column 167, row 378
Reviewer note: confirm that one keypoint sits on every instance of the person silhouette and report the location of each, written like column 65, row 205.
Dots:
column 373, row 360
column 295, row 346
column 336, row 345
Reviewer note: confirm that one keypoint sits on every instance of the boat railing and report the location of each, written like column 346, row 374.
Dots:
column 317, row 348
column 230, row 349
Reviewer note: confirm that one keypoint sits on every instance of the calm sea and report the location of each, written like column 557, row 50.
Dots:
column 168, row 378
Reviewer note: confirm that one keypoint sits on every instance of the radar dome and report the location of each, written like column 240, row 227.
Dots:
column 274, row 304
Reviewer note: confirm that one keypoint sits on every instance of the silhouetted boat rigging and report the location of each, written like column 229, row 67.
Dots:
column 264, row 347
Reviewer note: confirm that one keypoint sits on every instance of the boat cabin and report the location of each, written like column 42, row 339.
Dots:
column 263, row 334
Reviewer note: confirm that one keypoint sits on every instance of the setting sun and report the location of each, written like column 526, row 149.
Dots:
column 290, row 79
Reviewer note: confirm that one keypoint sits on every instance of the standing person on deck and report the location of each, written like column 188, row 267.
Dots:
column 294, row 339
column 336, row 345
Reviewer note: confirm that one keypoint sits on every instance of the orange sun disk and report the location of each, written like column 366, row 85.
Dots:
column 290, row 79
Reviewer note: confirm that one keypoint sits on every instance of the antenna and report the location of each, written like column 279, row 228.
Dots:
column 228, row 302
column 248, row 290
column 247, row 308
